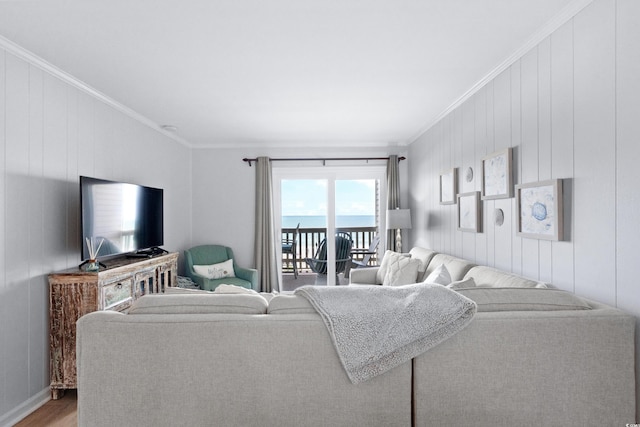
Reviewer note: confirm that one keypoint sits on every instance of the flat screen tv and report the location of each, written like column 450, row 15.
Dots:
column 128, row 217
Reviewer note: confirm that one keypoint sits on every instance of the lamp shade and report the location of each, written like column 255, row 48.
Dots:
column 398, row 218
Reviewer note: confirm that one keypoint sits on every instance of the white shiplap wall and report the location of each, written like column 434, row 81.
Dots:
column 570, row 109
column 50, row 133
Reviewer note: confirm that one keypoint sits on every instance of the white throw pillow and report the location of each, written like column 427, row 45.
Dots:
column 439, row 276
column 388, row 258
column 216, row 271
column 462, row 284
column 403, row 271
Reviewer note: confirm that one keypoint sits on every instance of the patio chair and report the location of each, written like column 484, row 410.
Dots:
column 364, row 262
column 289, row 246
column 318, row 264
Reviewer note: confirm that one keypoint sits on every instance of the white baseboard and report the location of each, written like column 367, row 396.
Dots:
column 25, row 408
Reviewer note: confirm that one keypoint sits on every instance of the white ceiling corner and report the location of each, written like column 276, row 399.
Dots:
column 281, row 73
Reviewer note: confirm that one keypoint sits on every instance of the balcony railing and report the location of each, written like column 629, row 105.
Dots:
column 310, row 238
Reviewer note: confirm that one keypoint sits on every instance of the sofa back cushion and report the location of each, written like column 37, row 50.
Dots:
column 197, row 303
column 457, row 267
column 424, row 255
column 491, row 277
column 524, row 299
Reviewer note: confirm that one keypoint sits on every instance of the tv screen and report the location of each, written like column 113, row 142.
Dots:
column 128, row 217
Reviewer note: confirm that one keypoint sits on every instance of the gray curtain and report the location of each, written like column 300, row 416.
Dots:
column 393, row 196
column 265, row 242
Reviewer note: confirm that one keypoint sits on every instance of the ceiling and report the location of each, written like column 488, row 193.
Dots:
column 281, row 72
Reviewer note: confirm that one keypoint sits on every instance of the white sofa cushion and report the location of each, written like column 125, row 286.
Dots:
column 462, row 284
column 457, row 267
column 197, row 303
column 524, row 299
column 290, row 304
column 220, row 289
column 424, row 255
column 173, row 290
column 492, row 277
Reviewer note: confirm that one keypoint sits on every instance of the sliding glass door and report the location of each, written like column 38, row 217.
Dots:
column 314, row 203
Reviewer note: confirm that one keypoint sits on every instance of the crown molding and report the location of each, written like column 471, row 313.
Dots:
column 49, row 68
column 564, row 16
column 297, row 144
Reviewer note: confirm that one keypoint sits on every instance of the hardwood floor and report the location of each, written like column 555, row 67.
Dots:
column 54, row 413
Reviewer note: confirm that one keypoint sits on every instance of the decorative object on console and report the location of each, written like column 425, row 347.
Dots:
column 92, row 264
column 398, row 219
column 539, row 210
column 469, row 212
column 448, row 186
column 497, row 175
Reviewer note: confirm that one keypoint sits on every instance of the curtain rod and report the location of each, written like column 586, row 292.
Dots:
column 322, row 159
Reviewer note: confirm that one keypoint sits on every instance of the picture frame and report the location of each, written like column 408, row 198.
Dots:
column 539, row 210
column 497, row 175
column 448, row 186
column 470, row 212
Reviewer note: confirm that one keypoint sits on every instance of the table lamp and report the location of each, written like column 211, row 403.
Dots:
column 398, row 219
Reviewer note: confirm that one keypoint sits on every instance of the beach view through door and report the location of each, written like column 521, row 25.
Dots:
column 311, row 210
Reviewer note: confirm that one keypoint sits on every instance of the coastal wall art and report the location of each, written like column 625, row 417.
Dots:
column 539, row 209
column 448, row 187
column 497, row 175
column 469, row 212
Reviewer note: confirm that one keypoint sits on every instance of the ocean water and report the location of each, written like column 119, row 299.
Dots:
column 319, row 221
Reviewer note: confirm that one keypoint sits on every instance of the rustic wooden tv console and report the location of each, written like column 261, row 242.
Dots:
column 74, row 293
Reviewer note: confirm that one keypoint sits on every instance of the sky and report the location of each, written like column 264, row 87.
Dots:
column 302, row 197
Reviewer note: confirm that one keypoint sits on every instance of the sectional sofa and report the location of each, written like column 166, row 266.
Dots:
column 531, row 356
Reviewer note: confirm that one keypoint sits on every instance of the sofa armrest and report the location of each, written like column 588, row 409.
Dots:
column 364, row 276
column 250, row 275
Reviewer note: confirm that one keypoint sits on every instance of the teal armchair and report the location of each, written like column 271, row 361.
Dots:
column 214, row 254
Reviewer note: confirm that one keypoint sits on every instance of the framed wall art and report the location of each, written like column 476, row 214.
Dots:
column 497, row 175
column 539, row 210
column 448, row 187
column 469, row 212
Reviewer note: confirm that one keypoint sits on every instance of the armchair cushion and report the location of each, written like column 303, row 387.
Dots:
column 216, row 271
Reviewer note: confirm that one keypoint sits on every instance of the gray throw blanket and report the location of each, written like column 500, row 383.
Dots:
column 376, row 328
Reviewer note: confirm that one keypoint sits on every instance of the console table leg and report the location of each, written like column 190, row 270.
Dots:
column 57, row 393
